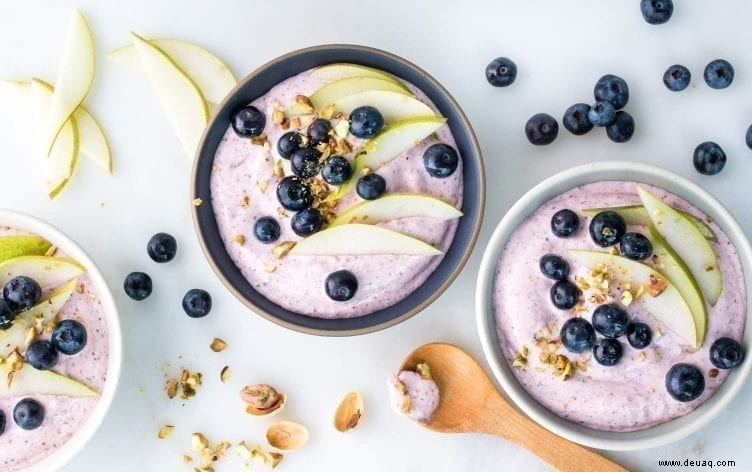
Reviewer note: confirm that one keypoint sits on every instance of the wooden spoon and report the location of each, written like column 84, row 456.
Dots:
column 470, row 403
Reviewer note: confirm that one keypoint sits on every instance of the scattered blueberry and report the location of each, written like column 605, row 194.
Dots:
column 684, row 382
column 6, row 315
column 2, row 422
column 610, row 320
column 602, row 113
column 137, row 285
column 370, row 186
column 440, row 160
column 266, row 229
column 318, row 131
column 28, row 414
column 541, row 129
column 21, row 293
column 307, row 222
column 676, row 78
column 554, row 267
column 564, row 294
column 341, row 285
column 41, row 354
column 305, row 162
column 577, row 335
column 248, row 122
column 622, row 129
column 336, row 170
column 289, row 143
column 69, row 337
column 639, row 335
column 607, row 228
column 635, row 246
column 162, row 247
column 501, row 72
column 709, row 158
column 607, row 352
column 565, row 223
column 718, row 74
column 576, row 119
column 197, row 303
column 656, row 12
column 612, row 89
column 365, row 122
column 748, row 137
column 294, row 194
column 726, row 353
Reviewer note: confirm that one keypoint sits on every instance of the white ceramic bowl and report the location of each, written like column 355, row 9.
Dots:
column 70, row 448
column 659, row 435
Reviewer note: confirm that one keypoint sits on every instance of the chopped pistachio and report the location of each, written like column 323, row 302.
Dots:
column 199, row 442
column 224, row 374
column 243, row 450
column 186, row 459
column 197, row 202
column 165, row 431
column 424, row 371
column 239, row 239
column 282, row 249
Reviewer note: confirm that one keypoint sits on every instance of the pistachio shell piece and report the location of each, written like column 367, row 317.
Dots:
column 349, row 412
column 287, row 436
column 262, row 400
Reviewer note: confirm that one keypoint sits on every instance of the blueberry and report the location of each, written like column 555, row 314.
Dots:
column 289, row 143
column 684, row 382
column 21, row 293
column 635, row 246
column 565, row 223
column 341, row 285
column 28, row 414
column 607, row 228
column 501, row 72
column 709, row 158
column 69, row 337
column 197, row 303
column 726, row 353
column 305, row 162
column 2, row 422
column 440, row 160
column 336, row 170
column 656, row 12
column 541, row 129
column 307, row 222
column 576, row 119
column 318, row 131
column 577, row 335
column 639, row 335
column 718, row 74
column 612, row 89
column 602, row 113
column 622, row 128
column 248, row 122
column 370, row 186
column 554, row 267
column 676, row 78
column 137, row 285
column 564, row 294
column 610, row 320
column 607, row 352
column 366, row 122
column 162, row 247
column 6, row 315
column 294, row 194
column 266, row 229
column 41, row 355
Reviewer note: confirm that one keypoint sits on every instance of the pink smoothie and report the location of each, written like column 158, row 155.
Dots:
column 424, row 395
column 242, row 169
column 632, row 394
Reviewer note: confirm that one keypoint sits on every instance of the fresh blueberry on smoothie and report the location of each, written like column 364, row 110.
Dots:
column 288, row 143
column 336, row 170
column 726, row 353
column 366, row 122
column 371, row 186
column 294, row 194
column 341, row 285
column 639, row 335
column 28, row 414
column 21, row 293
column 564, row 294
column 565, row 223
column 318, row 131
column 607, row 228
column 305, row 162
column 307, row 222
column 554, row 267
column 577, row 335
column 610, row 320
column 6, row 315
column 607, row 352
column 266, row 229
column 41, row 354
column 248, row 122
column 440, row 160
column 69, row 337
column 685, row 382
column 635, row 246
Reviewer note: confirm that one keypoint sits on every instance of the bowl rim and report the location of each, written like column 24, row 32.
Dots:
column 70, row 448
column 661, row 434
column 474, row 144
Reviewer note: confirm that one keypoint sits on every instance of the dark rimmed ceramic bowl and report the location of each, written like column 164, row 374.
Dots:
column 258, row 83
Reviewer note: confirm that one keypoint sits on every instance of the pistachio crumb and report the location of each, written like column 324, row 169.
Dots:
column 239, row 239
column 218, row 345
column 186, row 459
column 199, row 442
column 197, row 202
column 423, row 370
column 282, row 249
column 224, row 374
column 165, row 431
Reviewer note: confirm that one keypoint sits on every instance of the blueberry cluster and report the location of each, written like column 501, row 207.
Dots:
column 564, row 294
column 685, row 382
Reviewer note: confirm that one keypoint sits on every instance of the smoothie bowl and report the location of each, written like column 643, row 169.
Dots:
column 612, row 305
column 341, row 190
column 59, row 342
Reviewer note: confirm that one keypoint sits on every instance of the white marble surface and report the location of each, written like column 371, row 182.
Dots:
column 560, row 48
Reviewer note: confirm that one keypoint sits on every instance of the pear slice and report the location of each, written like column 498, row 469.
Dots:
column 30, row 381
column 637, row 216
column 668, row 306
column 393, row 106
column 688, row 242
column 47, row 271
column 74, row 78
column 181, row 98
column 333, row 91
column 17, row 245
column 361, row 239
column 393, row 206
column 343, row 70
column 212, row 76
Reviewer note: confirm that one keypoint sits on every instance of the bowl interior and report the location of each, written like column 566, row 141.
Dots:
column 257, row 84
column 652, row 437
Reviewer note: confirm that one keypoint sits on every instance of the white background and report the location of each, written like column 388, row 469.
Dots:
column 560, row 48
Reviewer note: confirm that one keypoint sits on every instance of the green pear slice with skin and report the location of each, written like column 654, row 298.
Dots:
column 688, row 242
column 333, row 91
column 30, row 381
column 668, row 307
column 182, row 100
column 47, row 271
column 211, row 75
column 342, row 70
column 393, row 206
column 361, row 239
column 637, row 216
column 17, row 245
column 393, row 106
column 74, row 78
